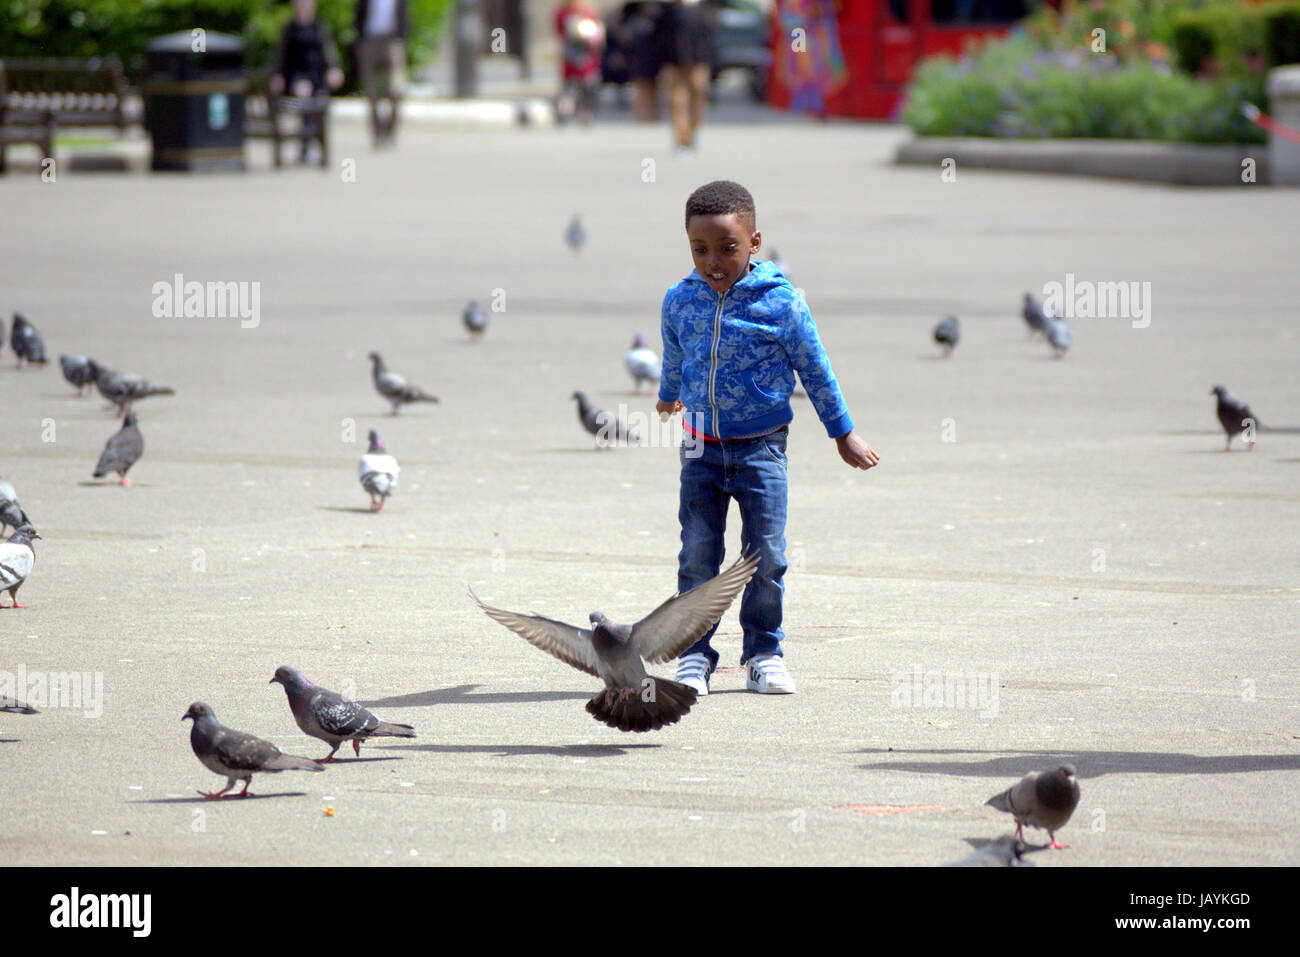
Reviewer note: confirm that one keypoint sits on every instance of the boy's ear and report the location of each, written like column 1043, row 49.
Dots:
column 756, row 242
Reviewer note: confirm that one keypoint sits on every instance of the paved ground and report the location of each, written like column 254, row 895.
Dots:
column 1081, row 541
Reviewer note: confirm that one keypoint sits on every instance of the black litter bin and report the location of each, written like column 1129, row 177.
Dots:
column 194, row 95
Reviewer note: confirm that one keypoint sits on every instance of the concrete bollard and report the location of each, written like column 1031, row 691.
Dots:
column 1284, row 105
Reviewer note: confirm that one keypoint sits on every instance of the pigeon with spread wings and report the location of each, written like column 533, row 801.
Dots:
column 632, row 700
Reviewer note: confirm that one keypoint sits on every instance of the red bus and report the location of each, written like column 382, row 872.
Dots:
column 883, row 40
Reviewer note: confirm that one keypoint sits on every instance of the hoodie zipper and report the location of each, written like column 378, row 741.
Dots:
column 713, row 362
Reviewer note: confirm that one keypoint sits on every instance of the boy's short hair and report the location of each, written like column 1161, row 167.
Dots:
column 720, row 198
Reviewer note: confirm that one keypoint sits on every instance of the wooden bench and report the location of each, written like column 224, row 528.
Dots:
column 282, row 118
column 40, row 93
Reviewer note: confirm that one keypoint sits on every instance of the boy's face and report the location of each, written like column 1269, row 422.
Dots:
column 721, row 245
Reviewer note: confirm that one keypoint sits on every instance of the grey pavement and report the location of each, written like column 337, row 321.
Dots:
column 1067, row 532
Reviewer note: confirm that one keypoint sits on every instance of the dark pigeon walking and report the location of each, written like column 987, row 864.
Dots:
column 1006, row 851
column 948, row 333
column 122, row 451
column 1043, row 799
column 14, row 706
column 27, row 343
column 606, row 426
column 378, row 472
column 475, row 320
column 123, row 388
column 575, row 235
column 235, row 754
column 16, row 561
column 331, row 717
column 632, row 700
column 1235, row 417
column 79, row 371
column 393, row 387
column 1035, row 316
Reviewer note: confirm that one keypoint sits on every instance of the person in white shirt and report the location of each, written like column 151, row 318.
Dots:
column 381, row 27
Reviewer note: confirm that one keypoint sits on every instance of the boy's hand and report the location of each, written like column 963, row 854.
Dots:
column 666, row 409
column 856, row 452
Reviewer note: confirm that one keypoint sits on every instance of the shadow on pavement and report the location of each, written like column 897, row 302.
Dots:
column 198, row 799
column 559, row 750
column 1090, row 764
column 460, row 694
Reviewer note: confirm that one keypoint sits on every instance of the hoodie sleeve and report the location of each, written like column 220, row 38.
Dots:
column 804, row 347
column 670, row 376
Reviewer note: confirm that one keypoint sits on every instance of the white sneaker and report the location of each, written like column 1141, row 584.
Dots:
column 766, row 674
column 693, row 671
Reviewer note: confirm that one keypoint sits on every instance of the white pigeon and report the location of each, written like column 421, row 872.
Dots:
column 16, row 561
column 378, row 472
column 641, row 363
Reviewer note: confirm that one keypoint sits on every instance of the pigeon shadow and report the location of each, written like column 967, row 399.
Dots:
column 979, row 843
column 356, row 509
column 110, row 483
column 516, row 750
column 1089, row 764
column 326, row 764
column 11, row 740
column 199, row 799
column 460, row 694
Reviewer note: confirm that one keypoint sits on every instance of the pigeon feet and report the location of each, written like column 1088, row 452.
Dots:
column 1057, row 845
column 213, row 796
column 124, row 482
column 356, row 746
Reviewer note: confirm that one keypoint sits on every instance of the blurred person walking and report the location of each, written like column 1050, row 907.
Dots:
column 688, row 65
column 380, row 51
column 813, row 68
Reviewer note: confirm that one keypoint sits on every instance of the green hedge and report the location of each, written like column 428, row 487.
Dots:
column 1015, row 89
column 1242, row 38
column 84, row 28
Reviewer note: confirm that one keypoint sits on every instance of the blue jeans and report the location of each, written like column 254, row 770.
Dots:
column 753, row 472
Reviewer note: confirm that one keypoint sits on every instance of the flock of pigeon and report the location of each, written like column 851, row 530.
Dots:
column 630, row 699
column 1235, row 416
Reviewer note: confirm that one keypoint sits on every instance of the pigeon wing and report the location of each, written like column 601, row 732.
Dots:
column 679, row 622
column 571, row 645
column 244, row 752
column 338, row 716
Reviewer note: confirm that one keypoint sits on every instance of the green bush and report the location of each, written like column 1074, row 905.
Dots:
column 1014, row 89
column 1231, row 33
column 85, row 28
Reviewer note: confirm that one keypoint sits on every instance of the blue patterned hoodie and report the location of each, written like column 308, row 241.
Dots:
column 731, row 357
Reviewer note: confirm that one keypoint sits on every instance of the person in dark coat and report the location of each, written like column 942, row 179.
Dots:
column 380, row 51
column 306, row 64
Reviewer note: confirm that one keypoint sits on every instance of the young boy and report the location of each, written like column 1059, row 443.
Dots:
column 734, row 333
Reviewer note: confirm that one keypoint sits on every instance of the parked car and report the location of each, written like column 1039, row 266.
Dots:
column 739, row 40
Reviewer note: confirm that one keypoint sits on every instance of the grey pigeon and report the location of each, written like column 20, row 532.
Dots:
column 123, row 388
column 475, row 320
column 632, row 700
column 1007, row 851
column 1058, row 336
column 16, row 561
column 1043, row 799
column 641, row 363
column 1235, row 417
column 1035, row 316
column 235, row 754
column 378, row 472
column 606, row 426
column 331, row 717
column 27, row 343
column 393, row 387
column 948, row 333
column 14, row 706
column 122, row 451
column 11, row 513
column 575, row 235
column 79, row 371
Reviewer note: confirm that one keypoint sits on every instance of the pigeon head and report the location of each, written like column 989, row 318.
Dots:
column 23, row 535
column 1066, row 771
column 580, row 396
column 597, row 619
column 376, row 443
column 376, row 357
column 1219, row 390
column 199, row 710
column 638, row 341
column 289, row 677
